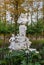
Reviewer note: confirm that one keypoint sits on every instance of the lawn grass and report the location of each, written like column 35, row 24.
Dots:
column 38, row 41
column 38, row 44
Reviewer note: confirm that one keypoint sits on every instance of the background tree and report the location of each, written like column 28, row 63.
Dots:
column 15, row 9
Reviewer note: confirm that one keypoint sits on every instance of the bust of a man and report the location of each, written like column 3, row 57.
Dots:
column 22, row 30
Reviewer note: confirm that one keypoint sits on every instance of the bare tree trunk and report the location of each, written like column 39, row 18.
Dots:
column 43, row 10
column 16, row 16
column 4, row 41
column 43, row 20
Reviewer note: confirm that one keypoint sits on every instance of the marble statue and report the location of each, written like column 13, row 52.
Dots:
column 20, row 41
column 12, row 41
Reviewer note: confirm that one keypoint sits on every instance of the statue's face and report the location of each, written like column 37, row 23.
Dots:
column 12, row 35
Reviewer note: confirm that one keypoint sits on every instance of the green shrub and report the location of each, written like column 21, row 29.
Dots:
column 38, row 44
column 20, row 58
